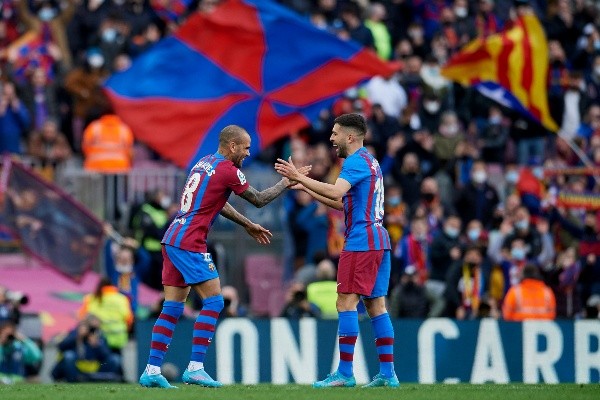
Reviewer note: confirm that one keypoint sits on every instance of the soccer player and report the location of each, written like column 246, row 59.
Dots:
column 186, row 260
column 364, row 265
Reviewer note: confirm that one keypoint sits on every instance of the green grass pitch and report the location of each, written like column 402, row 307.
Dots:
column 299, row 392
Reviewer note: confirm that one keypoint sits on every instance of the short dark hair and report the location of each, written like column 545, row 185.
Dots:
column 531, row 271
column 353, row 121
column 231, row 133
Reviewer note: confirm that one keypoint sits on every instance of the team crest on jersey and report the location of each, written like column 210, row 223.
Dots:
column 241, row 177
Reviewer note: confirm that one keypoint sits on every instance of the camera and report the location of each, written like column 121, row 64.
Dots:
column 17, row 297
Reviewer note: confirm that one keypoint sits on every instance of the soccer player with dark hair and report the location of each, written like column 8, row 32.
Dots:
column 187, row 263
column 364, row 265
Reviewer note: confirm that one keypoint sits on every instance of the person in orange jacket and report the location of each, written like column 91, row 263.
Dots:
column 530, row 299
column 108, row 145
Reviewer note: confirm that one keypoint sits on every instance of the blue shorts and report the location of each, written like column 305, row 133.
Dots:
column 183, row 268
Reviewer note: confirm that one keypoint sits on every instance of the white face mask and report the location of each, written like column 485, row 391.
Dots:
column 461, row 12
column 96, row 60
column 479, row 176
column 431, row 106
column 450, row 130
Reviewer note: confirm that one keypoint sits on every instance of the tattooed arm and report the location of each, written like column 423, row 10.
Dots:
column 260, row 234
column 261, row 199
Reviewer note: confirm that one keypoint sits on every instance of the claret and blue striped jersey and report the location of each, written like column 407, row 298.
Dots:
column 363, row 203
column 208, row 186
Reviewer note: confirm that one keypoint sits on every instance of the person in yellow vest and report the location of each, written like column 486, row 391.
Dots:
column 113, row 310
column 530, row 299
column 107, row 145
column 149, row 223
column 323, row 292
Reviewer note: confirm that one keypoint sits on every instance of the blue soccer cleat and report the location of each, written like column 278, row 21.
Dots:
column 335, row 379
column 200, row 377
column 156, row 380
column 379, row 380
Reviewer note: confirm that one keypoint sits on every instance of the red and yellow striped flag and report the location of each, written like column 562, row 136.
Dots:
column 511, row 67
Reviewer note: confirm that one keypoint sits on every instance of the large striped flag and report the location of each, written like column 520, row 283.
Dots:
column 510, row 67
column 252, row 63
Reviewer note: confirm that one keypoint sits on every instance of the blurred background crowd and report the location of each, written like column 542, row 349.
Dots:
column 472, row 188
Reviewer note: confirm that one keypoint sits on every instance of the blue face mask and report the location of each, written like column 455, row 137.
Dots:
column 512, row 177
column 518, row 253
column 522, row 225
column 451, row 232
column 46, row 14
column 394, row 201
column 474, row 234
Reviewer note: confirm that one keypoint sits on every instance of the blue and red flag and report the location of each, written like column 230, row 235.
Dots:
column 251, row 63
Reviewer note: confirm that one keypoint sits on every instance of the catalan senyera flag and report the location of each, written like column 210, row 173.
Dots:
column 510, row 67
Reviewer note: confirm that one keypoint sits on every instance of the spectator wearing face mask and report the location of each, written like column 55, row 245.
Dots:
column 413, row 249
column 538, row 243
column 467, row 284
column 84, row 83
column 447, row 138
column 49, row 15
column 395, row 213
column 478, row 199
column 445, row 250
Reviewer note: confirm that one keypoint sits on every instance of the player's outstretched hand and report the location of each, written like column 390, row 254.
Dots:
column 260, row 234
column 288, row 169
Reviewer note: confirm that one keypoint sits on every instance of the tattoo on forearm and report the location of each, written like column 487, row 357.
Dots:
column 261, row 199
column 233, row 215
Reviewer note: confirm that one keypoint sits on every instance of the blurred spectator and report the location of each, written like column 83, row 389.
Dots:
column 476, row 235
column 467, row 284
column 14, row 120
column 478, row 199
column 409, row 178
column 84, row 83
column 39, row 95
column 447, row 137
column 494, row 137
column 232, row 307
column 108, row 145
column 530, row 299
column 111, row 39
column 18, row 354
column 125, row 262
column 563, row 278
column 413, row 250
column 431, row 205
column 323, row 292
column 49, row 146
column 312, row 219
column 376, row 17
column 297, row 306
column 49, row 18
column 395, row 213
column 590, row 123
column 409, row 298
column 486, row 22
column 149, row 223
column 85, row 356
column 388, row 93
column 445, row 251
column 113, row 310
column 86, row 23
column 350, row 14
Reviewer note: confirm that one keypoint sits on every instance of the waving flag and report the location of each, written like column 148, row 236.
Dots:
column 510, row 67
column 251, row 63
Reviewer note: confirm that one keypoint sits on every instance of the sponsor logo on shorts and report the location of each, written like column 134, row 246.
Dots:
column 211, row 267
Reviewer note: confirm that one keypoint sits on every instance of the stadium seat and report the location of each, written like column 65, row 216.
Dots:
column 263, row 274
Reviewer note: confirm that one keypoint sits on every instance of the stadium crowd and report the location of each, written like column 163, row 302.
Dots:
column 473, row 190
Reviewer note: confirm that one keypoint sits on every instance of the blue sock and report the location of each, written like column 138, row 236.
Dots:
column 384, row 340
column 348, row 332
column 162, row 333
column 204, row 327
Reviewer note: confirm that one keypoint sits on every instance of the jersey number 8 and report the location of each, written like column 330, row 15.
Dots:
column 188, row 192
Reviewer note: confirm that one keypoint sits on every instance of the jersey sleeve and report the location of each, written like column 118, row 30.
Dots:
column 235, row 180
column 354, row 170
